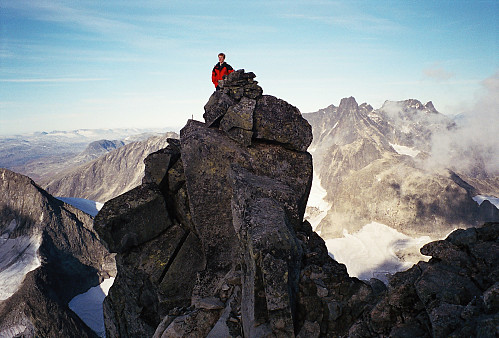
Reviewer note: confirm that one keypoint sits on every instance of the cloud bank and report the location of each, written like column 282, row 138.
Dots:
column 472, row 147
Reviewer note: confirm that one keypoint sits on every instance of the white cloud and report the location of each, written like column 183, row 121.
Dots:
column 472, row 148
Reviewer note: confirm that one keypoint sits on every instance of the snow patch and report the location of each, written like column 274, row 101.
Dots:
column 317, row 206
column 376, row 251
column 13, row 331
column 88, row 306
column 18, row 256
column 480, row 198
column 403, row 150
column 88, row 206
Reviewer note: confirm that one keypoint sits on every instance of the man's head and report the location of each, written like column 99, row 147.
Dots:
column 221, row 57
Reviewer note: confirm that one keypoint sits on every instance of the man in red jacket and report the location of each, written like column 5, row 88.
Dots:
column 221, row 68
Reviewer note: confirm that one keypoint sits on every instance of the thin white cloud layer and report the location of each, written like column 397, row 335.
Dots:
column 437, row 72
column 53, row 80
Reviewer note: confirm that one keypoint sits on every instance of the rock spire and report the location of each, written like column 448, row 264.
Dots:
column 213, row 243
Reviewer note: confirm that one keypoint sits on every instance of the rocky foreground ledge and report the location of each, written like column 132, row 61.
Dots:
column 213, row 243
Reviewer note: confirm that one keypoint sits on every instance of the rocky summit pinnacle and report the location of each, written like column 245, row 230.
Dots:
column 213, row 242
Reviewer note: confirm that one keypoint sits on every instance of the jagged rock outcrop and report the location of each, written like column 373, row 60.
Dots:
column 455, row 294
column 213, row 242
column 234, row 245
column 110, row 175
column 49, row 253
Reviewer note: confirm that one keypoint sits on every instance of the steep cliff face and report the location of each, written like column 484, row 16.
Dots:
column 216, row 235
column 49, row 253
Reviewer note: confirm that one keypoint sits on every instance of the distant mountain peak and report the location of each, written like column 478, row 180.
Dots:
column 409, row 106
column 347, row 104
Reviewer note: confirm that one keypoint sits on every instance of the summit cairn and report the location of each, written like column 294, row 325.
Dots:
column 243, row 113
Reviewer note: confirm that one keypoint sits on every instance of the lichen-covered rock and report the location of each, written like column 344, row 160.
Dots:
column 278, row 121
column 244, row 114
column 216, row 107
column 239, row 84
column 271, row 253
column 133, row 218
column 158, row 163
column 208, row 156
column 238, row 121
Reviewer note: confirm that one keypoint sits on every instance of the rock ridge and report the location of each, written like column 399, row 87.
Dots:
column 70, row 254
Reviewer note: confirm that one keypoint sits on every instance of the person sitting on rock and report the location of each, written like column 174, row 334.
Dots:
column 221, row 68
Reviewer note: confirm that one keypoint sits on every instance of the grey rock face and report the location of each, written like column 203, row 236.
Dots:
column 133, row 218
column 238, row 121
column 235, row 214
column 243, row 113
column 271, row 254
column 159, row 255
column 72, row 260
column 277, row 120
column 216, row 107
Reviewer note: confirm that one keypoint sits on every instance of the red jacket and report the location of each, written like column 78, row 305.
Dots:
column 219, row 71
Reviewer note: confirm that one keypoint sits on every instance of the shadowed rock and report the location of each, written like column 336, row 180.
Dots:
column 71, row 260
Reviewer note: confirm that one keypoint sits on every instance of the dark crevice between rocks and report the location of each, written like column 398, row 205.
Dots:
column 166, row 190
column 260, row 301
column 256, row 140
column 235, row 128
column 149, row 303
column 174, row 255
column 163, row 185
column 170, row 204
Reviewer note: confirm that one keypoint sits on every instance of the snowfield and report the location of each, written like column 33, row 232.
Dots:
column 88, row 306
column 403, row 150
column 18, row 256
column 376, row 251
column 317, row 206
column 480, row 198
column 87, row 206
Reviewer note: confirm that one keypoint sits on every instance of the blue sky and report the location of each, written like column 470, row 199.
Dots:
column 109, row 64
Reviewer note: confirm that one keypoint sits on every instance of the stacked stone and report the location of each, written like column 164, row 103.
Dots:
column 241, row 111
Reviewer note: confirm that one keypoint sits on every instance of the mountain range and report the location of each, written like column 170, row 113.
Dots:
column 374, row 166
column 109, row 175
column 43, row 155
column 209, row 237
